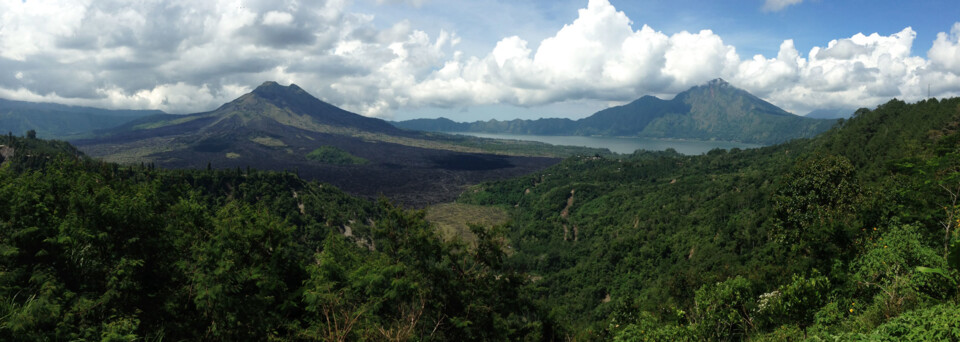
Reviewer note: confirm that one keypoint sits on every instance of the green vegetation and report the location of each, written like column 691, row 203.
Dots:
column 336, row 156
column 850, row 236
column 97, row 251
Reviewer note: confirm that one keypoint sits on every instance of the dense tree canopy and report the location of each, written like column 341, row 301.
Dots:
column 816, row 237
column 90, row 251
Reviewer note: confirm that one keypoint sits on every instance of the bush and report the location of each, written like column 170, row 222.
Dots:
column 723, row 310
column 336, row 156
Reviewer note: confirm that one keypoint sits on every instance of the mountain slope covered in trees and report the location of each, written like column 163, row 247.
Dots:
column 713, row 111
column 847, row 235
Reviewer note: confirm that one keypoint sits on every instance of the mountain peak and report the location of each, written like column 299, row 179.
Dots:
column 718, row 82
column 291, row 105
column 271, row 87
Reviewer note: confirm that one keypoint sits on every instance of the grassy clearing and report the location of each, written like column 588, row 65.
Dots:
column 452, row 219
column 268, row 141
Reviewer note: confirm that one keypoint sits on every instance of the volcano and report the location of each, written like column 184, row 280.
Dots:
column 278, row 127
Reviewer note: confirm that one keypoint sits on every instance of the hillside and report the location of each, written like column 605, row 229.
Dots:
column 50, row 120
column 714, row 111
column 279, row 128
column 815, row 238
column 100, row 251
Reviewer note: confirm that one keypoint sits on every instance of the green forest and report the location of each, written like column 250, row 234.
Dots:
column 847, row 236
column 851, row 235
column 98, row 251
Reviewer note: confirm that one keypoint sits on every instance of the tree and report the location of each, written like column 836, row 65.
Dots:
column 723, row 310
column 888, row 267
column 946, row 171
column 795, row 302
column 816, row 205
column 246, row 273
column 31, row 134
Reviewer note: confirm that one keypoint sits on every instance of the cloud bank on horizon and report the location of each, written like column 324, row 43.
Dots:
column 184, row 57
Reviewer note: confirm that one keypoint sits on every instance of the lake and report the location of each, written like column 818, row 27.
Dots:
column 623, row 145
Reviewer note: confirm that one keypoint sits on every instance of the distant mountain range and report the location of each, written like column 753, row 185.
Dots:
column 713, row 111
column 832, row 113
column 52, row 120
column 284, row 128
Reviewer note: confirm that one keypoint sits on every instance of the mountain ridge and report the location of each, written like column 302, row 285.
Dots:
column 53, row 120
column 716, row 110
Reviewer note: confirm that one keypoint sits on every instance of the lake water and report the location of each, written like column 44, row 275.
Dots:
column 620, row 144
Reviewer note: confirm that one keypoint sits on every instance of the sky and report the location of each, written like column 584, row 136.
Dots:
column 477, row 59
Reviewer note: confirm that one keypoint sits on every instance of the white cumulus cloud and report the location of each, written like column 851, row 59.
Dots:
column 598, row 56
column 275, row 18
column 859, row 71
column 945, row 53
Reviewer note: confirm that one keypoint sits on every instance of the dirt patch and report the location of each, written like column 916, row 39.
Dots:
column 6, row 152
column 566, row 210
column 565, row 215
